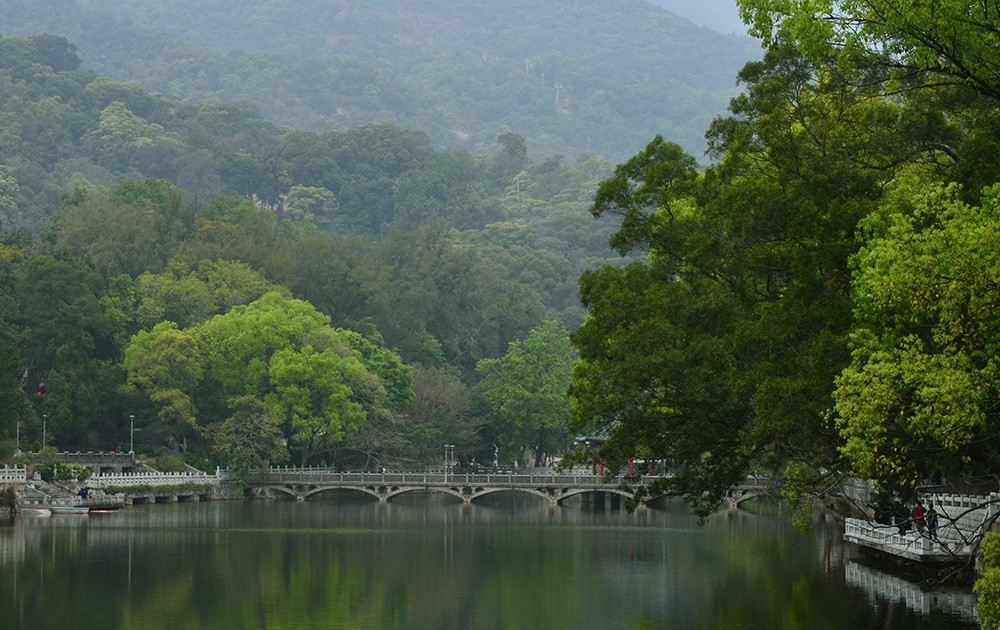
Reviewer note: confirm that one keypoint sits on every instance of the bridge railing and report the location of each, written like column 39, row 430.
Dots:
column 120, row 480
column 13, row 474
column 966, row 512
column 326, row 476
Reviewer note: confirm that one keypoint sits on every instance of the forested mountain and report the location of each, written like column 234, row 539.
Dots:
column 573, row 77
column 142, row 239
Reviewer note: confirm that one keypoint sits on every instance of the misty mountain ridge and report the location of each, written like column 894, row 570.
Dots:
column 573, row 77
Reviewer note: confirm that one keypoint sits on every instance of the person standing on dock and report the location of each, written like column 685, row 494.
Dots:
column 918, row 515
column 932, row 520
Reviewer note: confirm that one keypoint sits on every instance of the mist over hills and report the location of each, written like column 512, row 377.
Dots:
column 718, row 15
column 573, row 77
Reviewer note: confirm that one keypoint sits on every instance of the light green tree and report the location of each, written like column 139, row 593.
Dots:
column 939, row 42
column 921, row 393
column 188, row 296
column 168, row 365
column 312, row 204
column 123, row 138
column 280, row 352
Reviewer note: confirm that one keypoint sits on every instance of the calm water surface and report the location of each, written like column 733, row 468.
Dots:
column 428, row 562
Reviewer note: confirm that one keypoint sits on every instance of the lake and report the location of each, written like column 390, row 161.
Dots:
column 428, row 561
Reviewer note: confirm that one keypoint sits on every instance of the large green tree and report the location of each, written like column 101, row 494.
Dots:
column 719, row 350
column 281, row 352
column 949, row 41
column 526, row 390
column 920, row 396
column 67, row 344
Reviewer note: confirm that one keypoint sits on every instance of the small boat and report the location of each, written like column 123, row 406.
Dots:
column 36, row 511
column 69, row 509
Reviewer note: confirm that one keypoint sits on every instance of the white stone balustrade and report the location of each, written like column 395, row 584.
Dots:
column 122, row 480
column 13, row 474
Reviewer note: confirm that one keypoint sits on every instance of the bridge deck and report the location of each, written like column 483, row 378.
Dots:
column 551, row 485
column 324, row 477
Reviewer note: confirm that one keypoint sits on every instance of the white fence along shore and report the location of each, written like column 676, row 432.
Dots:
column 13, row 474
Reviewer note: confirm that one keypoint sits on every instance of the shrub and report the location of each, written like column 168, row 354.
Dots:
column 170, row 463
column 987, row 587
column 63, row 472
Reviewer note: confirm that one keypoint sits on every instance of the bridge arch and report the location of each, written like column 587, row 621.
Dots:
column 321, row 489
column 391, row 492
column 573, row 492
column 280, row 489
column 475, row 493
column 736, row 497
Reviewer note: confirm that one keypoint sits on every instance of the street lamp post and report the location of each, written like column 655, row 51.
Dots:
column 45, row 422
column 449, row 450
column 131, row 435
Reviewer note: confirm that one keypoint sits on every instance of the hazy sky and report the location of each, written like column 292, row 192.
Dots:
column 719, row 15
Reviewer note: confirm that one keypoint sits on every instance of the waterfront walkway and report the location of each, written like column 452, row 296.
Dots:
column 962, row 520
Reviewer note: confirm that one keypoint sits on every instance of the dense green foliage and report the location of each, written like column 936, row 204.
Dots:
column 573, row 77
column 821, row 301
column 987, row 588
column 62, row 472
column 121, row 291
column 527, row 390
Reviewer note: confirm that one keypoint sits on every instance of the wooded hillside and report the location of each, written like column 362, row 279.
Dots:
column 580, row 77
column 140, row 232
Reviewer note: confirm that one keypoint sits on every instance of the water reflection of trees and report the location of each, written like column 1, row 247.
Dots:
column 427, row 563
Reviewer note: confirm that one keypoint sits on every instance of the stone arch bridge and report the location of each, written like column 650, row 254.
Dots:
column 303, row 483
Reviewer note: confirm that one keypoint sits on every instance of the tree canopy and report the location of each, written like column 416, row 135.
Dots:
column 526, row 392
column 814, row 304
column 309, row 382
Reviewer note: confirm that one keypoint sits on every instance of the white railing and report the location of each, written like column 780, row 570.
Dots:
column 121, row 480
column 327, row 476
column 966, row 512
column 13, row 474
column 949, row 539
column 887, row 535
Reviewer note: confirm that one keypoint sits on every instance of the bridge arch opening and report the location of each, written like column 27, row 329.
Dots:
column 353, row 496
column 423, row 496
column 590, row 499
column 508, row 497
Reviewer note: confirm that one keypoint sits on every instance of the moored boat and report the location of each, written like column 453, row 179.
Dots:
column 69, row 509
column 35, row 511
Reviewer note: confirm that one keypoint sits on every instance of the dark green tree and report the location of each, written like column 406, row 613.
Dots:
column 718, row 352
